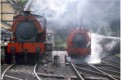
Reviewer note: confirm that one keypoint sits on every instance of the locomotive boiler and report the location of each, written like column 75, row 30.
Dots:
column 29, row 39
column 79, row 43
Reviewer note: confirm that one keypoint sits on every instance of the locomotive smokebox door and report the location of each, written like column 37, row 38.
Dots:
column 26, row 31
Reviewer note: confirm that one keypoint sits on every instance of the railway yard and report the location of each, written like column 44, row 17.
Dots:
column 108, row 69
column 46, row 40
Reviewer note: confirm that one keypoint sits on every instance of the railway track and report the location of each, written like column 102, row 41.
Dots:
column 92, row 72
column 83, row 71
column 4, row 72
column 48, row 71
column 112, row 61
column 35, row 71
column 18, row 72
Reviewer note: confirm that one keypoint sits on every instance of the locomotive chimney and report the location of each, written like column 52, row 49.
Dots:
column 26, row 13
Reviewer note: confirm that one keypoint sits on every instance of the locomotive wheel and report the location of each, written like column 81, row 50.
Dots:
column 19, row 58
column 38, row 56
column 8, row 57
column 31, row 59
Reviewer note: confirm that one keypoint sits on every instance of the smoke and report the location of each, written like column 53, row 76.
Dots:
column 101, row 47
column 28, row 5
column 96, row 49
column 89, row 14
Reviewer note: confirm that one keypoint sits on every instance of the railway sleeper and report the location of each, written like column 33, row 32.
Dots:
column 111, row 71
column 56, row 75
column 118, row 68
column 91, row 72
column 106, row 74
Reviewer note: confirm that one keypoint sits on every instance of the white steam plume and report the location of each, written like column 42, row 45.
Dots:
column 85, row 13
column 101, row 47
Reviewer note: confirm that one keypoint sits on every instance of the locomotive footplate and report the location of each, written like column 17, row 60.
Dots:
column 25, row 52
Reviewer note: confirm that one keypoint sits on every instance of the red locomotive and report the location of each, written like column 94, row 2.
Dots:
column 29, row 39
column 79, row 43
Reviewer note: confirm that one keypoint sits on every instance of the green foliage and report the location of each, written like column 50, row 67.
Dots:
column 60, row 44
column 24, row 1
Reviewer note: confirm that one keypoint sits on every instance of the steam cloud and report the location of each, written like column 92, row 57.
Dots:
column 89, row 14
column 101, row 47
